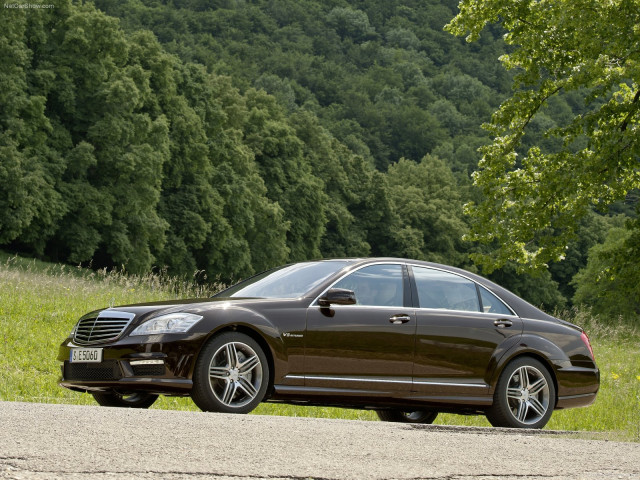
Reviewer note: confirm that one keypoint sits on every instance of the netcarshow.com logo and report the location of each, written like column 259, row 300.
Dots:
column 28, row 5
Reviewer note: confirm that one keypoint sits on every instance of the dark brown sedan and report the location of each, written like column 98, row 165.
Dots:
column 406, row 338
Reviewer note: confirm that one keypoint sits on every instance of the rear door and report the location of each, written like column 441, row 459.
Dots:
column 462, row 328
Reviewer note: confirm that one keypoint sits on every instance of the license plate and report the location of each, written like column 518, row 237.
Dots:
column 85, row 355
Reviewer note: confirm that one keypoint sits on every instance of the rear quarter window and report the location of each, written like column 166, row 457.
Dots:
column 492, row 304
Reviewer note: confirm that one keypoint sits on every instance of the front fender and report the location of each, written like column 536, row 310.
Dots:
column 257, row 325
column 219, row 319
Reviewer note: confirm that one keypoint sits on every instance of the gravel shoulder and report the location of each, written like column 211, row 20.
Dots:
column 43, row 441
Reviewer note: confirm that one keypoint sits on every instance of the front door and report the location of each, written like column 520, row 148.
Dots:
column 368, row 346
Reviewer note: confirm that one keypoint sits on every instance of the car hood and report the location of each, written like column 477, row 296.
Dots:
column 146, row 311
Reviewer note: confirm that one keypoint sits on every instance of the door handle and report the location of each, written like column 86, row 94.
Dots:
column 400, row 319
column 502, row 323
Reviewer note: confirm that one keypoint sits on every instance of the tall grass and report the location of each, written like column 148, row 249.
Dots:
column 616, row 345
column 40, row 303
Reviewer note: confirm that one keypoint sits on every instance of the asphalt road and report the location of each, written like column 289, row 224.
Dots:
column 39, row 441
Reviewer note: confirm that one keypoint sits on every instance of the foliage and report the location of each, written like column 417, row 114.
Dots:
column 228, row 137
column 28, row 197
column 586, row 52
column 540, row 289
column 370, row 70
column 592, row 230
column 117, row 153
column 426, row 197
column 609, row 283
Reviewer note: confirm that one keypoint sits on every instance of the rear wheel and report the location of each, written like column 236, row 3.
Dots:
column 416, row 416
column 231, row 374
column 131, row 400
column 524, row 397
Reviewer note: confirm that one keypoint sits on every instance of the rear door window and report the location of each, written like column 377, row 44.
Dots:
column 444, row 290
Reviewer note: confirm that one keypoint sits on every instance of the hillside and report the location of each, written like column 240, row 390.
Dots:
column 227, row 137
column 383, row 76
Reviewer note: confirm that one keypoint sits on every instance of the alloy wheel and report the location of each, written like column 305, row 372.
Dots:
column 528, row 395
column 412, row 416
column 235, row 374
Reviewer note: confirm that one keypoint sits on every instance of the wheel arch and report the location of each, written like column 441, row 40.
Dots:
column 255, row 335
column 548, row 364
column 266, row 348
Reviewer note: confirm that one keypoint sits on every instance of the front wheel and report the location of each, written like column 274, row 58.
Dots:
column 132, row 400
column 416, row 416
column 524, row 397
column 231, row 374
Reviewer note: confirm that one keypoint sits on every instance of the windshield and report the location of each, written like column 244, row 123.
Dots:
column 290, row 281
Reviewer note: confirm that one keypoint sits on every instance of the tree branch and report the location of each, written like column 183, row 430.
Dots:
column 634, row 107
column 532, row 113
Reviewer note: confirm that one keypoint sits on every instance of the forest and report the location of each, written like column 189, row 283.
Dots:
column 224, row 137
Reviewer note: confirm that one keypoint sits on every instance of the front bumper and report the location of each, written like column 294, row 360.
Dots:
column 161, row 364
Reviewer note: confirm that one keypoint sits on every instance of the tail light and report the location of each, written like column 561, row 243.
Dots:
column 585, row 338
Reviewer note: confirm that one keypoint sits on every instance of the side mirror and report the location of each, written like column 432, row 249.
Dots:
column 337, row 296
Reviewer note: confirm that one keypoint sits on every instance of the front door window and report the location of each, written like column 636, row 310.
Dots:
column 377, row 285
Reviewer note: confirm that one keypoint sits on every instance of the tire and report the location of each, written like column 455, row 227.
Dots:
column 132, row 400
column 416, row 416
column 519, row 403
column 231, row 374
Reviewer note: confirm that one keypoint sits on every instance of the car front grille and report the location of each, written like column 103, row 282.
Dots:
column 106, row 327
column 107, row 370
column 147, row 370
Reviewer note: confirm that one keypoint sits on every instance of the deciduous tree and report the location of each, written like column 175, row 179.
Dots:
column 534, row 199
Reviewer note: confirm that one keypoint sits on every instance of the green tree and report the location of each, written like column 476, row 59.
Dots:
column 368, row 66
column 350, row 23
column 534, row 200
column 427, row 201
column 592, row 230
column 111, row 111
column 30, row 205
column 540, row 290
column 609, row 281
column 339, row 169
column 287, row 174
column 213, row 198
column 258, row 238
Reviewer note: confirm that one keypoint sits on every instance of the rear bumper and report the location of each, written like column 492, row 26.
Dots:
column 156, row 365
column 575, row 401
column 577, row 386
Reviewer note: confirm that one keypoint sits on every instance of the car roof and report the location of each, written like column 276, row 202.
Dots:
column 521, row 307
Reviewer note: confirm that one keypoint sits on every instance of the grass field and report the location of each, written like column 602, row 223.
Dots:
column 40, row 303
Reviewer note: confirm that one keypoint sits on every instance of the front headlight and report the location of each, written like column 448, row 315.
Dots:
column 170, row 323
